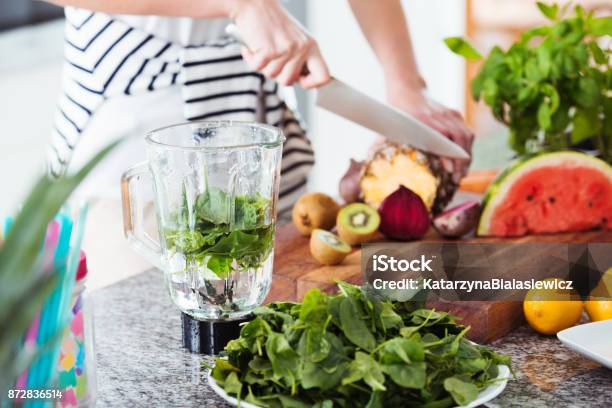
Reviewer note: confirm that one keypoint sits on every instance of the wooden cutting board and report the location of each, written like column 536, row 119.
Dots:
column 296, row 272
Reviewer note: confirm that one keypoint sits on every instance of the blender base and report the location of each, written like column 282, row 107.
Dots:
column 209, row 336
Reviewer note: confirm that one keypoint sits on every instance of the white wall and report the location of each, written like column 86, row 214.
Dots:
column 350, row 59
column 30, row 68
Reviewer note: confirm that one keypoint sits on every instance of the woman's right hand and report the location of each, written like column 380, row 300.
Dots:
column 278, row 46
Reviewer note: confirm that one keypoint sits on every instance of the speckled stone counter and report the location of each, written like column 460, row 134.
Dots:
column 141, row 363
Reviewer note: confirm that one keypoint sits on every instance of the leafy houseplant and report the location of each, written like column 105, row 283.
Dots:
column 553, row 87
column 23, row 289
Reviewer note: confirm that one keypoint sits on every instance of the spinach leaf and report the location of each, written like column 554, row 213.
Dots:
column 354, row 349
column 285, row 361
column 409, row 375
column 365, row 368
column 463, row 392
column 230, row 233
column 353, row 325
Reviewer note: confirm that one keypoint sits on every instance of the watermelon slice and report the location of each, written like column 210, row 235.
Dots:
column 548, row 193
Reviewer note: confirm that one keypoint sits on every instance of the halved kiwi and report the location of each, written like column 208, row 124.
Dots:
column 357, row 223
column 328, row 248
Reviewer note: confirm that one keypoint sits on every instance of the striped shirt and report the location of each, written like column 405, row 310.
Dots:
column 105, row 57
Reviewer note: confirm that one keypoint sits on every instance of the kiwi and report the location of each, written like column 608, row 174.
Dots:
column 314, row 210
column 328, row 248
column 357, row 223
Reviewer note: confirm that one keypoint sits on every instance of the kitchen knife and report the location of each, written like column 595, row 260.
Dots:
column 346, row 101
column 349, row 103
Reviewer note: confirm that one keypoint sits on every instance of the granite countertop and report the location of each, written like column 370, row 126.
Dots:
column 140, row 361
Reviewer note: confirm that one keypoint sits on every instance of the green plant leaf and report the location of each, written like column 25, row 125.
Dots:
column 586, row 124
column 601, row 26
column 353, row 325
column 22, row 287
column 544, row 56
column 220, row 265
column 272, row 363
column 588, row 94
column 544, row 116
column 461, row 47
column 285, row 361
column 232, row 384
column 365, row 368
column 490, row 91
column 463, row 392
column 553, row 99
column 537, row 85
column 550, row 11
column 409, row 375
column 533, row 33
column 598, row 54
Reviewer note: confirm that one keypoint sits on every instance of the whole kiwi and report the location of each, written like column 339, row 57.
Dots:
column 314, row 211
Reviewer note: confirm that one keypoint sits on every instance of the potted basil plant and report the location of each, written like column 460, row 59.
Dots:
column 552, row 87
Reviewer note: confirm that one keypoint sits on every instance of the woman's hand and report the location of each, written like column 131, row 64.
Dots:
column 384, row 25
column 415, row 101
column 279, row 47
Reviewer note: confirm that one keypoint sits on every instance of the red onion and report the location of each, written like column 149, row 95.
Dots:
column 458, row 221
column 349, row 184
column 403, row 215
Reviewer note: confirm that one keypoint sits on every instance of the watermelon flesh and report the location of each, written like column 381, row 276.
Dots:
column 549, row 193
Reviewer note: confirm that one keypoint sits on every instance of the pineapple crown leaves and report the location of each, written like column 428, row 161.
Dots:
column 553, row 87
column 23, row 290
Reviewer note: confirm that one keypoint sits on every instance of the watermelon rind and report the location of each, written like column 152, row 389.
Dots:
column 497, row 191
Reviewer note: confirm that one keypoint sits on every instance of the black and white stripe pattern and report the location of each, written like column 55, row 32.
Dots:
column 105, row 57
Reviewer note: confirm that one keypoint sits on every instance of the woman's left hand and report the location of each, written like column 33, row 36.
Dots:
column 416, row 102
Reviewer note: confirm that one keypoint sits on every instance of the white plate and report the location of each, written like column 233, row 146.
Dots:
column 485, row 395
column 592, row 340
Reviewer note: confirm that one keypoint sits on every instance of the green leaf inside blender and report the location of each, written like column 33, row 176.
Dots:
column 225, row 233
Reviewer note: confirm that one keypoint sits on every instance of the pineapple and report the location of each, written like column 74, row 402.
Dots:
column 393, row 165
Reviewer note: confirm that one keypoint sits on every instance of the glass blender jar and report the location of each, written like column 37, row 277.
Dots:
column 215, row 188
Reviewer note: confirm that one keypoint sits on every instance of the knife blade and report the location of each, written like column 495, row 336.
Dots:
column 346, row 101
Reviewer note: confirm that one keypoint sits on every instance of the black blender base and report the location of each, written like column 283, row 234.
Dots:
column 209, row 336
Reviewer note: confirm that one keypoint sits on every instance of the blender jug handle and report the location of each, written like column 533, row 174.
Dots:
column 133, row 216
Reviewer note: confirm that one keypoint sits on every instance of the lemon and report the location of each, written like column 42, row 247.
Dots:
column 600, row 308
column 549, row 311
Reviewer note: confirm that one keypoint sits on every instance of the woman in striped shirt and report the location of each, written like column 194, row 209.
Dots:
column 135, row 65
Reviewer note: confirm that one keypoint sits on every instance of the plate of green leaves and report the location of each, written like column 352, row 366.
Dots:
column 356, row 349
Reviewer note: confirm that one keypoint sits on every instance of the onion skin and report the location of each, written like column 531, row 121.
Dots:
column 458, row 221
column 403, row 215
column 349, row 184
